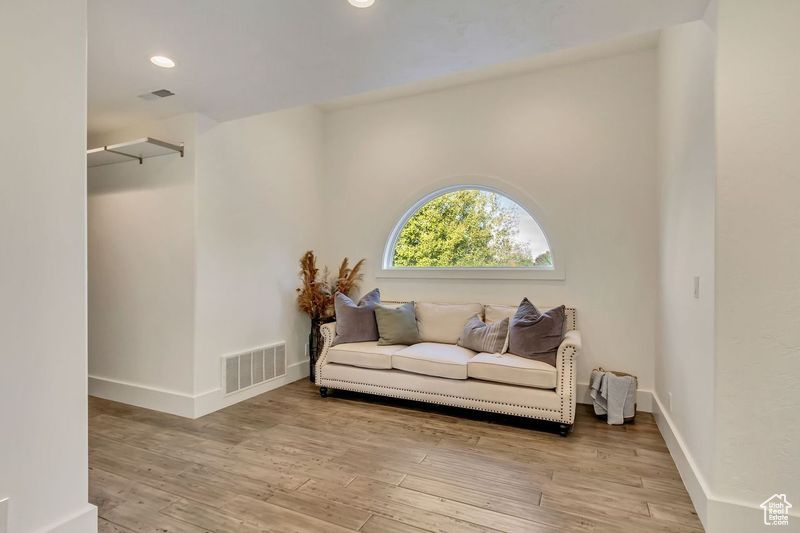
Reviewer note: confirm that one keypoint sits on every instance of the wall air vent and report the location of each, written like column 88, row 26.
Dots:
column 247, row 369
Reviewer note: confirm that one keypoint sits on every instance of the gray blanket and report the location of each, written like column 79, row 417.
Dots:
column 613, row 395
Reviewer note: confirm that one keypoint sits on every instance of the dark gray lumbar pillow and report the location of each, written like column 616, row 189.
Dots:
column 397, row 325
column 536, row 335
column 482, row 337
column 356, row 323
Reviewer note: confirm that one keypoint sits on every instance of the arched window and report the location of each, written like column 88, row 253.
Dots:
column 467, row 228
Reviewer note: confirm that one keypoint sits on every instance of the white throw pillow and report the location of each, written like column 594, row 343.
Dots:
column 444, row 322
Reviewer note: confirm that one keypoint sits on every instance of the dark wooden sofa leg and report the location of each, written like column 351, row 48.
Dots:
column 564, row 429
column 323, row 391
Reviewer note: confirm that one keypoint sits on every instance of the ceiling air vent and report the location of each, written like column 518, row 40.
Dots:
column 161, row 93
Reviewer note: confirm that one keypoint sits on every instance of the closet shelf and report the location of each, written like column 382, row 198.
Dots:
column 139, row 150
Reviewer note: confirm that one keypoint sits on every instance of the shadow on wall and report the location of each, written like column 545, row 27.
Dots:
column 155, row 173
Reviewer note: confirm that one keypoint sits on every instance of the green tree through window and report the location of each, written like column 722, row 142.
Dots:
column 471, row 228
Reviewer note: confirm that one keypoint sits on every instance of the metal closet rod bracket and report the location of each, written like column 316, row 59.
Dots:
column 177, row 147
column 128, row 155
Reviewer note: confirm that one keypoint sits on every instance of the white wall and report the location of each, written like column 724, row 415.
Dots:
column 579, row 141
column 258, row 207
column 758, row 257
column 685, row 352
column 43, row 447
column 617, row 155
column 141, row 264
column 193, row 258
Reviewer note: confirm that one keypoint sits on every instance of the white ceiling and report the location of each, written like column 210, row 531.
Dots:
column 241, row 57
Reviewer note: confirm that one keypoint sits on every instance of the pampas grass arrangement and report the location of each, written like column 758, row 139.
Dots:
column 318, row 289
column 347, row 279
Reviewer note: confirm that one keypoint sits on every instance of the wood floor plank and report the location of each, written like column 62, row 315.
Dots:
column 379, row 524
column 611, row 519
column 398, row 511
column 290, row 461
column 277, row 518
column 674, row 487
column 673, row 513
column 455, row 509
column 107, row 490
column 622, row 491
column 145, row 520
column 329, row 511
column 209, row 518
column 520, row 488
column 104, row 526
column 530, row 510
column 141, row 512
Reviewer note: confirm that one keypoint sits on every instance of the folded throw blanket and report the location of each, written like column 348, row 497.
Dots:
column 613, row 395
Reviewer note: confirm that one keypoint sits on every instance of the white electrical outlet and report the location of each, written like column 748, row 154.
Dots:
column 305, row 350
column 4, row 515
column 669, row 401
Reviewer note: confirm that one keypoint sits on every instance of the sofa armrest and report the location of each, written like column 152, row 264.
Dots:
column 565, row 363
column 328, row 333
column 572, row 339
column 331, row 327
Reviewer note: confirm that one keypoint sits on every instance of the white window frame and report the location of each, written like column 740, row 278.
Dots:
column 544, row 272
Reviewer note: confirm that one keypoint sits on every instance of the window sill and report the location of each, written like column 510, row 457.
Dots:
column 471, row 273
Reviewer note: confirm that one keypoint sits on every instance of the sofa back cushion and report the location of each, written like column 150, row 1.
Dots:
column 356, row 323
column 495, row 313
column 444, row 322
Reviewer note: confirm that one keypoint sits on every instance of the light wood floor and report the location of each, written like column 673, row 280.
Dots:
column 290, row 461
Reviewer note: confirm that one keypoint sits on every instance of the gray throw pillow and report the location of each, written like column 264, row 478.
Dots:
column 536, row 335
column 397, row 325
column 479, row 336
column 356, row 323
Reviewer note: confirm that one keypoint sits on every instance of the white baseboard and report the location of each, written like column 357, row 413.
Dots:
column 182, row 404
column 166, row 401
column 644, row 398
column 692, row 478
column 84, row 521
column 740, row 517
column 718, row 514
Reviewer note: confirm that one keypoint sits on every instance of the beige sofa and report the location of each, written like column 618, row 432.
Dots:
column 438, row 371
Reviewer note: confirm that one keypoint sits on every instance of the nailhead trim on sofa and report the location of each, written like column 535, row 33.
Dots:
column 440, row 395
column 436, row 398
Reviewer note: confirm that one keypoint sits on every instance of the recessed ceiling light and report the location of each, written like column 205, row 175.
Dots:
column 163, row 62
column 361, row 3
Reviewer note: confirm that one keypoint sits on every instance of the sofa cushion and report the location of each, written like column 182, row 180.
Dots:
column 363, row 354
column 444, row 323
column 512, row 369
column 434, row 359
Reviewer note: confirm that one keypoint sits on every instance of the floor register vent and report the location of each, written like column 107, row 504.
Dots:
column 243, row 370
